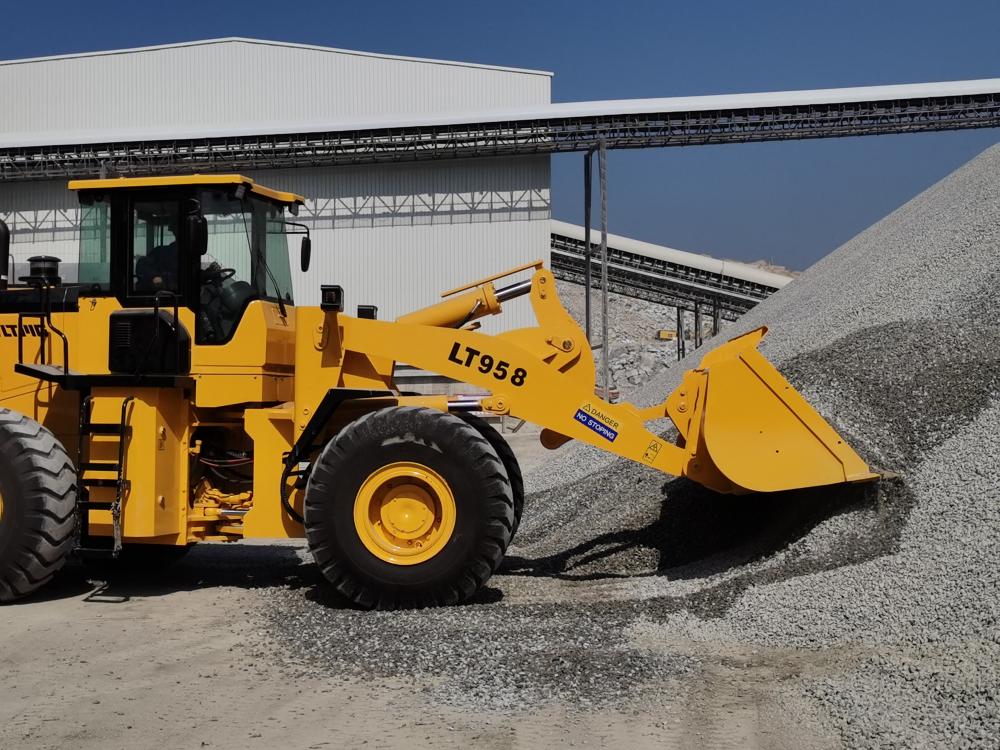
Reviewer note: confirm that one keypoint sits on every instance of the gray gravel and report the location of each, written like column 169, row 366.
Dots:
column 485, row 654
column 635, row 353
column 887, row 596
column 894, row 339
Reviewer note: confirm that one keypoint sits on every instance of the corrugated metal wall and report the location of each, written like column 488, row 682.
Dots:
column 391, row 235
column 239, row 83
column 44, row 219
column 397, row 235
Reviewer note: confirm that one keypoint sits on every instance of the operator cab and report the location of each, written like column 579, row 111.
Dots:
column 209, row 243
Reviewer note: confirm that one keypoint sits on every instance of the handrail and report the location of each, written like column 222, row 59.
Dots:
column 45, row 320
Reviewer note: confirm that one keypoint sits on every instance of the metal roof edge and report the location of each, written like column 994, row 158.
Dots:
column 273, row 43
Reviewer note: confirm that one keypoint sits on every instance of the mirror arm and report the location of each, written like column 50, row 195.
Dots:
column 306, row 250
column 303, row 227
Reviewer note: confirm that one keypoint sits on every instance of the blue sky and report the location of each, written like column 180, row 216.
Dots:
column 789, row 202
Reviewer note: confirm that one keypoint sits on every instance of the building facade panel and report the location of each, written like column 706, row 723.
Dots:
column 397, row 235
column 391, row 235
column 236, row 83
column 404, row 270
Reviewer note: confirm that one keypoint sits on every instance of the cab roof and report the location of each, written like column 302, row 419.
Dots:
column 119, row 183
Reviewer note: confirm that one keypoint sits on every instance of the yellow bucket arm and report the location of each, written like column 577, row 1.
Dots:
column 742, row 426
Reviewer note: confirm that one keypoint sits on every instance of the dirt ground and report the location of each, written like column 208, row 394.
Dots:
column 166, row 664
column 175, row 661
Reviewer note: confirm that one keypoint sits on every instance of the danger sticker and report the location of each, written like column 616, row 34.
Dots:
column 651, row 452
column 592, row 423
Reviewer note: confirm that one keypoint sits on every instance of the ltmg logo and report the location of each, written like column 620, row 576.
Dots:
column 10, row 331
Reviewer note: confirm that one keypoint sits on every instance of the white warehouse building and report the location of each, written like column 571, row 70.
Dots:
column 393, row 235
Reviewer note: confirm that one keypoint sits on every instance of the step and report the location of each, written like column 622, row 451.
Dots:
column 100, row 466
column 103, row 428
column 98, row 552
column 94, row 505
column 46, row 372
column 98, row 482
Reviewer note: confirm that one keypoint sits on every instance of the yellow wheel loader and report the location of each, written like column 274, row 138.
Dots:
column 172, row 393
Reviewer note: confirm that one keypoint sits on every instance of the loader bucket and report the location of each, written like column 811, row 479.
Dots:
column 753, row 430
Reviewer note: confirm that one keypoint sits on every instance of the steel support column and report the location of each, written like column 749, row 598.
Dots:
column 588, row 184
column 605, row 367
column 679, row 337
column 697, row 325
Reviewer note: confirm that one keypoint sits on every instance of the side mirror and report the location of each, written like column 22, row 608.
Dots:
column 305, row 253
column 4, row 254
column 197, row 232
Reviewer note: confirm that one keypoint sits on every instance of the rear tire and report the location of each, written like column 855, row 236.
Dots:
column 507, row 457
column 38, row 513
column 464, row 474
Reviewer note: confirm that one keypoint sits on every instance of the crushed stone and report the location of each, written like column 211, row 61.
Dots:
column 890, row 592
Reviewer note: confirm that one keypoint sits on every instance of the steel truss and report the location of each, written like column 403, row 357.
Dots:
column 516, row 137
column 660, row 281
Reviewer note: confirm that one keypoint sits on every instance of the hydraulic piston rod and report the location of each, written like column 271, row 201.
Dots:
column 462, row 309
column 513, row 291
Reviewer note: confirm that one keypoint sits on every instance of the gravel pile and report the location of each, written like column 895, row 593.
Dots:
column 887, row 595
column 635, row 352
column 894, row 339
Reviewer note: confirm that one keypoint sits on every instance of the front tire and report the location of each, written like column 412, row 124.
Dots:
column 408, row 507
column 506, row 455
column 37, row 505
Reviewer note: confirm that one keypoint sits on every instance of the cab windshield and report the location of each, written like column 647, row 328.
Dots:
column 247, row 259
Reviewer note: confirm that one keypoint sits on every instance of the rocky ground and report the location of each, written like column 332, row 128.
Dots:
column 865, row 615
column 633, row 610
column 635, row 353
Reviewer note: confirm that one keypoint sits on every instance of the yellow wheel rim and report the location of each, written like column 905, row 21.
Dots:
column 404, row 513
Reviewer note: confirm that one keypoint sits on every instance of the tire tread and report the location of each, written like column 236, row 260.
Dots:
column 509, row 460
column 47, row 479
column 485, row 462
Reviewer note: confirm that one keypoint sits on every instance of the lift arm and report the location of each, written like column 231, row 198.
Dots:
column 742, row 426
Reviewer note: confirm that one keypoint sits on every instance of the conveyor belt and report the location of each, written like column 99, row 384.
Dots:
column 555, row 128
column 663, row 275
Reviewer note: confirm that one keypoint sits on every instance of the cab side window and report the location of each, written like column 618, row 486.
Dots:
column 95, row 244
column 155, row 263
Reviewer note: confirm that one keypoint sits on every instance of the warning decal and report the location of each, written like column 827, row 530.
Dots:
column 593, row 419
